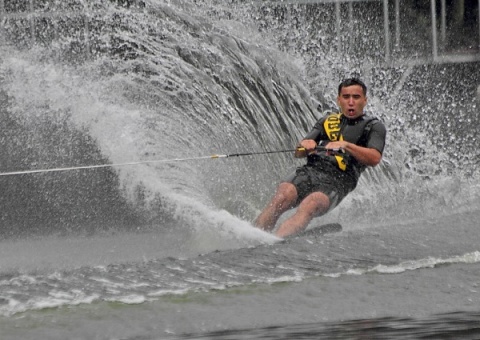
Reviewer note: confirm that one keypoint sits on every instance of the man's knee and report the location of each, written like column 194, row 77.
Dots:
column 286, row 194
column 316, row 204
column 287, row 190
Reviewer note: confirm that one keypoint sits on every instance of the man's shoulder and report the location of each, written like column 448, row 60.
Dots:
column 373, row 119
column 327, row 113
column 370, row 121
column 375, row 134
column 374, row 122
column 324, row 115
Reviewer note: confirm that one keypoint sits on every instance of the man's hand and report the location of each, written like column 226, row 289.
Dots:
column 306, row 147
column 367, row 156
column 339, row 145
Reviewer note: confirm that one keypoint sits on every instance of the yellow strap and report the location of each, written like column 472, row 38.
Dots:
column 341, row 162
column 332, row 128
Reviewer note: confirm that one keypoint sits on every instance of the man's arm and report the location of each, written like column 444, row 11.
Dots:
column 367, row 156
column 371, row 153
column 308, row 144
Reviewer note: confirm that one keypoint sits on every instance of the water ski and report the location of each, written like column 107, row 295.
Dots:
column 320, row 230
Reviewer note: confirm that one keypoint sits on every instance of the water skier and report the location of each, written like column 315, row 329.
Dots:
column 327, row 177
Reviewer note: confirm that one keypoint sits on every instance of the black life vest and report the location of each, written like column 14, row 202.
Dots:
column 336, row 130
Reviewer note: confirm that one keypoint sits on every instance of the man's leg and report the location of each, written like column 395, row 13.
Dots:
column 315, row 204
column 284, row 199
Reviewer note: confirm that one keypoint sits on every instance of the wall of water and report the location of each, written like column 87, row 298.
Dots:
column 114, row 82
column 430, row 108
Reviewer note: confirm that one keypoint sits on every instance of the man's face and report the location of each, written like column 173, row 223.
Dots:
column 352, row 101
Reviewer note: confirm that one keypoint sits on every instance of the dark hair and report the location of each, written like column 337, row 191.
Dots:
column 351, row 82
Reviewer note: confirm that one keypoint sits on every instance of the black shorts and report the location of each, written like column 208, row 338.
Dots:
column 308, row 179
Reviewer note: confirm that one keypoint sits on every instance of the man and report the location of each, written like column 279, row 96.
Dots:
column 338, row 149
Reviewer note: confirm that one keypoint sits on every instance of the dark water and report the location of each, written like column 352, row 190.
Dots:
column 450, row 326
column 164, row 249
column 444, row 326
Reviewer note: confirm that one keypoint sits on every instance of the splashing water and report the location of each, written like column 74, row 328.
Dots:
column 158, row 81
